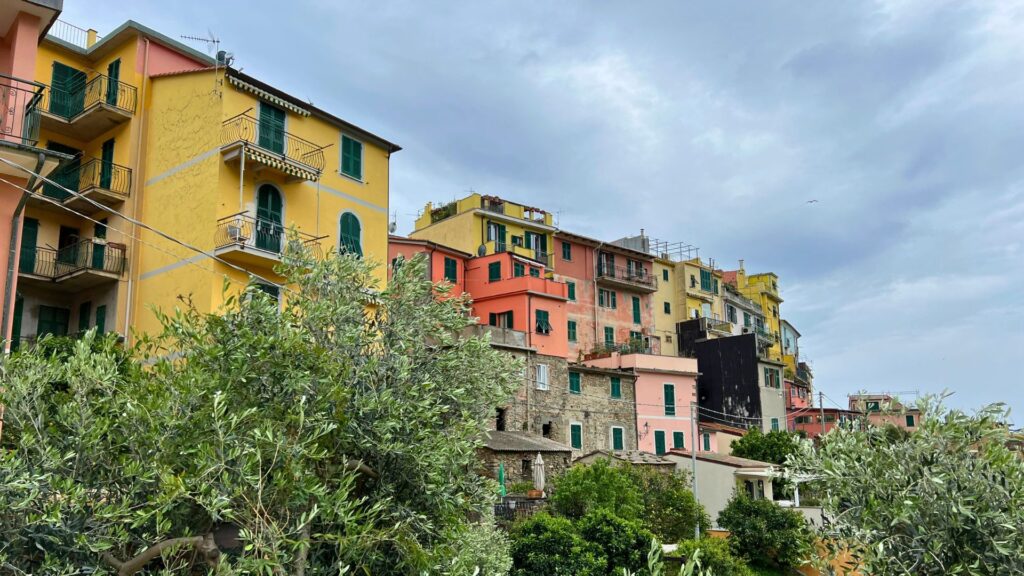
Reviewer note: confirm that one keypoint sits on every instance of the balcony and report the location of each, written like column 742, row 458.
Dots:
column 84, row 113
column 629, row 278
column 256, row 242
column 537, row 255
column 19, row 110
column 85, row 264
column 764, row 335
column 605, row 350
column 270, row 148
column 103, row 182
column 715, row 324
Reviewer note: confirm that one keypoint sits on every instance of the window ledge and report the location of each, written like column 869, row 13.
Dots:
column 352, row 178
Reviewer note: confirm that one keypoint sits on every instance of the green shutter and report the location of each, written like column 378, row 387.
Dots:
column 574, row 383
column 707, row 442
column 670, row 399
column 668, row 307
column 616, row 387
column 84, row 311
column 910, row 420
column 705, row 280
column 518, row 269
column 101, row 319
column 572, row 290
column 664, row 274
column 566, row 251
column 351, row 234
column 543, row 325
column 677, row 440
column 113, row 81
column 576, row 436
column 269, row 229
column 572, row 330
column 775, row 424
column 19, row 309
column 53, row 321
column 636, row 310
column 615, row 303
column 106, row 164
column 67, row 91
column 609, row 336
column 451, row 270
column 271, row 128
column 617, row 442
column 659, row 442
column 351, row 157
column 494, row 271
column 29, row 235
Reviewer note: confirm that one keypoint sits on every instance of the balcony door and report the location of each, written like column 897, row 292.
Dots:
column 113, row 81
column 271, row 128
column 67, row 90
column 68, row 176
column 107, row 164
column 68, row 246
column 29, row 235
column 268, row 219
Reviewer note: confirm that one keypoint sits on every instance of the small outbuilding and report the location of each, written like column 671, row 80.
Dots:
column 719, row 476
column 518, row 450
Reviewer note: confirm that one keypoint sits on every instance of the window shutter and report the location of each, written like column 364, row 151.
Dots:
column 574, row 383
column 572, row 330
column 677, row 440
column 670, row 399
column 101, row 319
column 636, row 309
column 576, row 436
column 351, row 231
column 615, row 303
column 609, row 336
column 451, row 270
column 707, row 442
column 84, row 311
column 518, row 269
column 659, row 442
column 617, row 443
column 664, row 274
column 351, row 157
column 494, row 271
column 572, row 290
column 616, row 387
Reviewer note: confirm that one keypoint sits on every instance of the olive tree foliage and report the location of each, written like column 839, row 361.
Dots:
column 946, row 499
column 335, row 434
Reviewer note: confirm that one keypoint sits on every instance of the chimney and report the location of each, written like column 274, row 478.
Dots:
column 741, row 264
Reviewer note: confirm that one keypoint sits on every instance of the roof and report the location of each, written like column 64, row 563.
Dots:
column 605, row 245
column 726, row 459
column 500, row 441
column 722, row 428
column 110, row 40
column 428, row 244
column 729, row 276
column 577, row 367
column 791, row 327
column 634, row 457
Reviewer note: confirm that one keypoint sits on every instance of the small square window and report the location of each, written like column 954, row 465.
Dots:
column 518, row 269
column 668, row 307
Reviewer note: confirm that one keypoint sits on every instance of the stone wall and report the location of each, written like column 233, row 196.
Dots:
column 519, row 465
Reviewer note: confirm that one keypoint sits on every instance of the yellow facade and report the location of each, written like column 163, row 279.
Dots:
column 202, row 159
column 670, row 292
column 763, row 288
column 488, row 225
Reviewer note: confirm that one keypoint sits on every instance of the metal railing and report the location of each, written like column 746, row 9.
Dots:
column 492, row 206
column 763, row 332
column 632, row 275
column 68, row 103
column 87, row 254
column 631, row 347
column 70, row 33
column 715, row 322
column 242, row 230
column 245, row 128
column 442, row 212
column 19, row 106
column 93, row 173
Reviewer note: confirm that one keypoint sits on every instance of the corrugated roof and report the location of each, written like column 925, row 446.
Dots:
column 521, row 442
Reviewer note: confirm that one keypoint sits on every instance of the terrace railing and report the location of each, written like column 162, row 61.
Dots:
column 19, row 106
column 244, row 231
column 87, row 254
column 245, row 128
column 69, row 102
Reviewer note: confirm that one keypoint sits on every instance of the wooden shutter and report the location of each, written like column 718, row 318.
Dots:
column 351, row 232
column 84, row 311
column 616, row 387
column 659, row 442
column 576, row 436
column 352, row 157
column 670, row 400
column 636, row 309
column 572, row 290
column 494, row 271
column 574, row 383
column 271, row 128
column 617, row 443
column 677, row 440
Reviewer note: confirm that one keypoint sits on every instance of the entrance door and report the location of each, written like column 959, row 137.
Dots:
column 107, row 164
column 68, row 245
column 268, row 219
column 69, row 176
column 271, row 128
column 659, row 442
column 67, row 91
column 113, row 81
column 29, row 234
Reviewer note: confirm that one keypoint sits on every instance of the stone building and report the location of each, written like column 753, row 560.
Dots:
column 517, row 451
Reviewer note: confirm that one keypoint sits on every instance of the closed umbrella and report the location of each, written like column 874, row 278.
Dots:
column 538, row 473
column 501, row 479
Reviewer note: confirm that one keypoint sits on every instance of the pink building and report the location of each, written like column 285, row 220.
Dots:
column 666, row 386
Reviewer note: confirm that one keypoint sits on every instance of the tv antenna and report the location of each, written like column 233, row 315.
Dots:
column 221, row 59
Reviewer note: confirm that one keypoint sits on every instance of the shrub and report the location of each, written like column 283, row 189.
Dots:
column 669, row 508
column 521, row 487
column 715, row 556
column 545, row 544
column 625, row 543
column 599, row 486
column 762, row 532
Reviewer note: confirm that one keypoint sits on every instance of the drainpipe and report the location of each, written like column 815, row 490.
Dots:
column 137, row 185
column 12, row 253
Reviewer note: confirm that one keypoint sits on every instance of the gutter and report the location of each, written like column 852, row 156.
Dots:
column 33, row 184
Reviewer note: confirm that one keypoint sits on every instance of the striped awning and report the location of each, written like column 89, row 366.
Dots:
column 267, row 96
column 280, row 164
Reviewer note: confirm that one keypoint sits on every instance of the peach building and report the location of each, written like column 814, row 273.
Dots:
column 443, row 263
column 666, row 387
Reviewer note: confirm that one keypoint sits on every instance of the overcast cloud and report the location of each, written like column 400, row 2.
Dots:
column 712, row 123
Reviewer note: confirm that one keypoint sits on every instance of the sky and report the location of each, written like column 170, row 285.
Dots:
column 869, row 153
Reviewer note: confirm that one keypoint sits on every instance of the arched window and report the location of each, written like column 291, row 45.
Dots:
column 350, row 234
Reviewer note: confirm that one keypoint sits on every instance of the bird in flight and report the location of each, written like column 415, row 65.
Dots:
column 812, row 201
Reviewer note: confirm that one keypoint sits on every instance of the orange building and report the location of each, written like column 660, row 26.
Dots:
column 814, row 422
column 443, row 263
column 609, row 292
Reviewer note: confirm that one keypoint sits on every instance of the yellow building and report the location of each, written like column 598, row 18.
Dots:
column 762, row 288
column 485, row 225
column 197, row 150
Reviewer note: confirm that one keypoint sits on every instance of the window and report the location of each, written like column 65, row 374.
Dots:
column 606, row 298
column 771, row 378
column 518, row 269
column 677, row 440
column 775, row 424
column 271, row 128
column 101, row 319
column 451, row 270
column 517, row 240
column 746, row 319
column 714, row 285
column 668, row 307
column 609, row 336
column 494, row 272
column 542, row 376
column 803, row 420
column 705, row 280
column 571, row 330
column 543, row 326
column 707, row 442
column 910, row 420
column 616, row 387
column 664, row 274
column 575, row 387
column 566, row 251
column 635, row 337
column 501, row 319
column 873, row 406
column 571, row 290
column 350, row 235
column 270, row 290
column 527, row 467
column 53, row 321
column 670, row 400
column 84, row 311
column 576, row 436
column 535, row 272
column 617, row 442
column 659, row 442
column 730, row 313
column 499, row 419
column 636, row 309
column 351, row 157
column 830, row 418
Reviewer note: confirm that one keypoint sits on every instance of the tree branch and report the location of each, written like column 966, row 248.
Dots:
column 303, row 554
column 358, row 466
column 204, row 544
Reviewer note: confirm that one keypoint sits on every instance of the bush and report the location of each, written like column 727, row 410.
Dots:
column 625, row 543
column 545, row 544
column 669, row 508
column 599, row 486
column 715, row 556
column 762, row 532
column 521, row 487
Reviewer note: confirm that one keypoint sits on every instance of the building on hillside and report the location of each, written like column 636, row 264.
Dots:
column 882, row 409
column 444, row 264
column 610, row 289
column 763, row 289
column 814, row 422
column 487, row 225
column 25, row 159
column 666, row 388
column 739, row 384
column 517, row 451
column 716, row 437
column 636, row 458
column 198, row 150
column 720, row 475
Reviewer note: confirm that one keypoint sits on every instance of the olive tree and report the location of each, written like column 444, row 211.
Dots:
column 946, row 499
column 334, row 432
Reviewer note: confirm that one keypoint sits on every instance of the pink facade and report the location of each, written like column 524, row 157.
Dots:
column 666, row 386
column 810, row 421
column 438, row 257
column 797, row 396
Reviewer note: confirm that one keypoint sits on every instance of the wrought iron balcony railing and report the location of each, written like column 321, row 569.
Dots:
column 245, row 232
column 92, row 173
column 87, row 254
column 69, row 103
column 630, row 275
column 245, row 128
column 19, row 106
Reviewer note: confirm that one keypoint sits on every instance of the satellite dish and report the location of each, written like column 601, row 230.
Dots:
column 482, row 250
column 392, row 227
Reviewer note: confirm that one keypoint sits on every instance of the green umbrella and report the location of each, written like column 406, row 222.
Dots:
column 501, row 479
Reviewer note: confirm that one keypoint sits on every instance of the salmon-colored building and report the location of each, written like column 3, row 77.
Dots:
column 609, row 291
column 666, row 387
column 443, row 263
column 815, row 422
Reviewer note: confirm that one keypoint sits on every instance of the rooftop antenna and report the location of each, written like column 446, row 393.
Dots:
column 221, row 59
